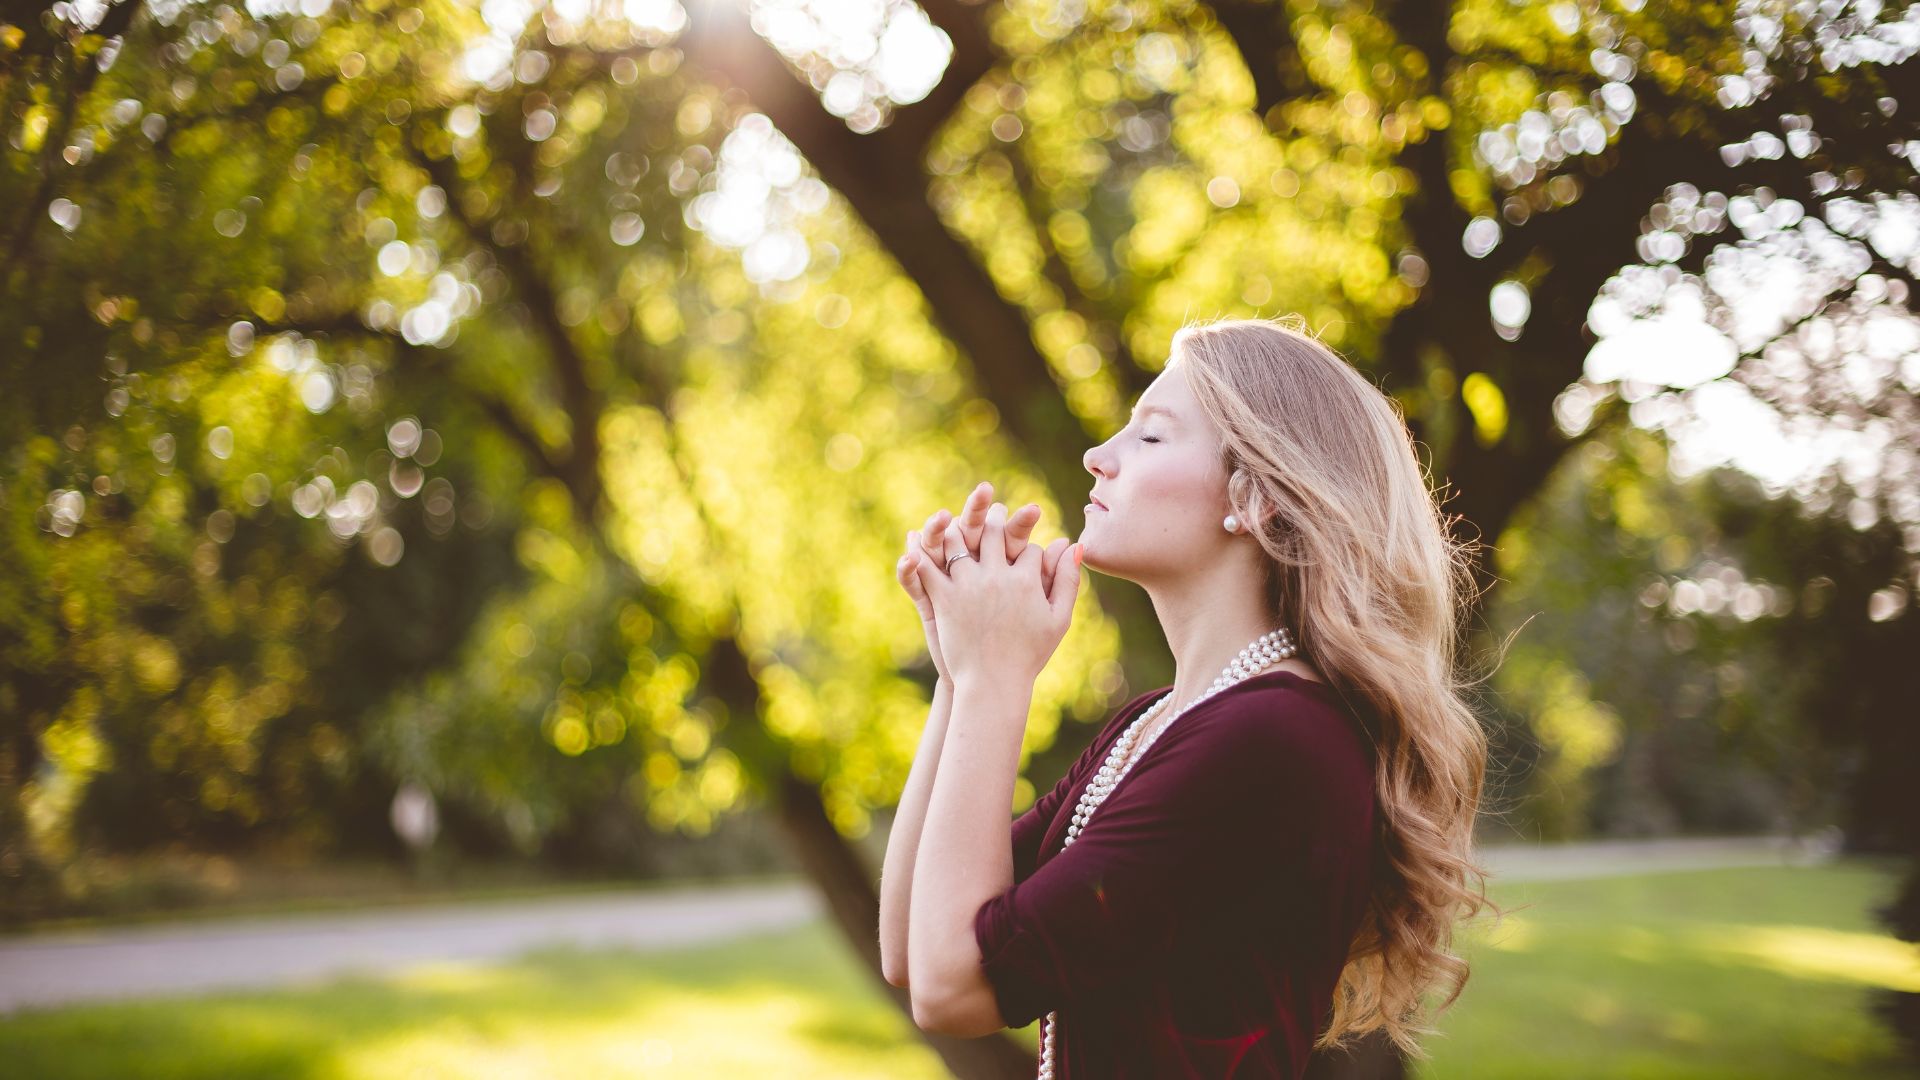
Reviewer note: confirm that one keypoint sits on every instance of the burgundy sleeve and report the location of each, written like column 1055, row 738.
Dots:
column 1030, row 828
column 1194, row 817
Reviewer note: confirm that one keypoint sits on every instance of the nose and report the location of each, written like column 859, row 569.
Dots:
column 1094, row 461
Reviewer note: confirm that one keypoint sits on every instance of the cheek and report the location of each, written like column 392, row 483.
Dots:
column 1174, row 490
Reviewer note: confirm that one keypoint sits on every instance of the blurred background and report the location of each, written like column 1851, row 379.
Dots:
column 453, row 457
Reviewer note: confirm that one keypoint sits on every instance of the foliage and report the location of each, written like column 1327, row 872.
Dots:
column 507, row 437
column 528, row 401
column 1716, row 660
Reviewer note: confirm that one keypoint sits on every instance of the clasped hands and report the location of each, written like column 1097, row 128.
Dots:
column 1000, row 613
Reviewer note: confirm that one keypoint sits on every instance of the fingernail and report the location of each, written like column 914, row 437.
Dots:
column 1076, row 554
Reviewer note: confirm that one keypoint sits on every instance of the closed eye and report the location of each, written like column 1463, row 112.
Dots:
column 1148, row 438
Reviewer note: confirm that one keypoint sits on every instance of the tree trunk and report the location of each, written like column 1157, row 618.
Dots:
column 847, row 884
column 853, row 901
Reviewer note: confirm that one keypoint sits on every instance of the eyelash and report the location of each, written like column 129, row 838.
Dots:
column 1148, row 438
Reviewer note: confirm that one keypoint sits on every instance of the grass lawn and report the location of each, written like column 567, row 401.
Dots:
column 1705, row 974
column 787, row 1004
column 1721, row 973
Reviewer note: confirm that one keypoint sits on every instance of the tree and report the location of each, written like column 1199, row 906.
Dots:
column 591, row 249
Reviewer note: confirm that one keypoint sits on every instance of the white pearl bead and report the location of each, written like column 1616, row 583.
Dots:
column 1263, row 652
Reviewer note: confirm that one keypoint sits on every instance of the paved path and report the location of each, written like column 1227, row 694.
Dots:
column 65, row 966
column 60, row 967
column 1605, row 858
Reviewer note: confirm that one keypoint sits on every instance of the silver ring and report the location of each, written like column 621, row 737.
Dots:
column 957, row 558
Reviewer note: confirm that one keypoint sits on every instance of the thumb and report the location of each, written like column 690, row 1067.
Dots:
column 916, row 589
column 1066, row 585
column 933, row 583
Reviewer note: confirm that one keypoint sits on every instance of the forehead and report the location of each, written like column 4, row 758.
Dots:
column 1166, row 396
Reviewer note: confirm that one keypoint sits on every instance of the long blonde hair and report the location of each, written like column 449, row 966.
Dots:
column 1366, row 571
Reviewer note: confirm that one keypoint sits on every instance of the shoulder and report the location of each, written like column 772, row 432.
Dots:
column 1277, row 725
column 1286, row 755
column 1281, row 710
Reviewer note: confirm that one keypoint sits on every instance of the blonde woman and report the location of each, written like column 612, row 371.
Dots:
column 1270, row 855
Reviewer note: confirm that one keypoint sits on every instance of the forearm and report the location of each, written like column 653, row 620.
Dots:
column 903, row 838
column 965, row 857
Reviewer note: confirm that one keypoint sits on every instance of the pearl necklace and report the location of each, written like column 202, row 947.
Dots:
column 1263, row 653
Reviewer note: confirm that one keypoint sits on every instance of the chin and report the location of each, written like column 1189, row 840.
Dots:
column 1088, row 553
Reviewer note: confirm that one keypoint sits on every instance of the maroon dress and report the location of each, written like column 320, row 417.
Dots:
column 1198, row 924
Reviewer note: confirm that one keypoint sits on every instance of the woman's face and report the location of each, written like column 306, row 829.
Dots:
column 1159, row 490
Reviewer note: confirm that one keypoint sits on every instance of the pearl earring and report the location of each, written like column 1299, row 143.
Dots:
column 1232, row 523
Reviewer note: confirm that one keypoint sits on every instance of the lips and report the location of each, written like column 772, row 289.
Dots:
column 1096, row 502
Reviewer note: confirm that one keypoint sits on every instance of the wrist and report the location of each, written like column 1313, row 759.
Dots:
column 996, row 689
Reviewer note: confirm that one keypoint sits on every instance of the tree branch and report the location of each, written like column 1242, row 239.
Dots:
column 578, row 398
column 346, row 324
column 1131, row 379
column 882, row 177
column 1263, row 32
column 79, row 80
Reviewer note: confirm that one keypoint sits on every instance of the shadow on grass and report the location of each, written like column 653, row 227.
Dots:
column 1746, row 974
column 1739, row 974
column 789, row 995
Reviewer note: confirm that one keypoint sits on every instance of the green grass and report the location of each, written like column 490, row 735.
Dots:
column 788, row 1004
column 1725, row 973
column 1708, row 974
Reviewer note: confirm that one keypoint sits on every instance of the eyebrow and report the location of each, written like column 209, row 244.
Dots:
column 1142, row 410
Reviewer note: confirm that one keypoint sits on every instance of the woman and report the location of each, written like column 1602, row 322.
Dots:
column 1267, row 857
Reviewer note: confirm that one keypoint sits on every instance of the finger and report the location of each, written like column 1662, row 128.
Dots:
column 1066, row 586
column 953, row 544
column 932, row 538
column 906, row 556
column 907, row 570
column 1031, row 555
column 916, row 542
column 973, row 516
column 1050, row 561
column 933, row 582
column 993, row 538
column 1020, row 525
column 909, row 575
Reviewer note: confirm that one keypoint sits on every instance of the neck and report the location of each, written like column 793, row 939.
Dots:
column 1207, row 620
